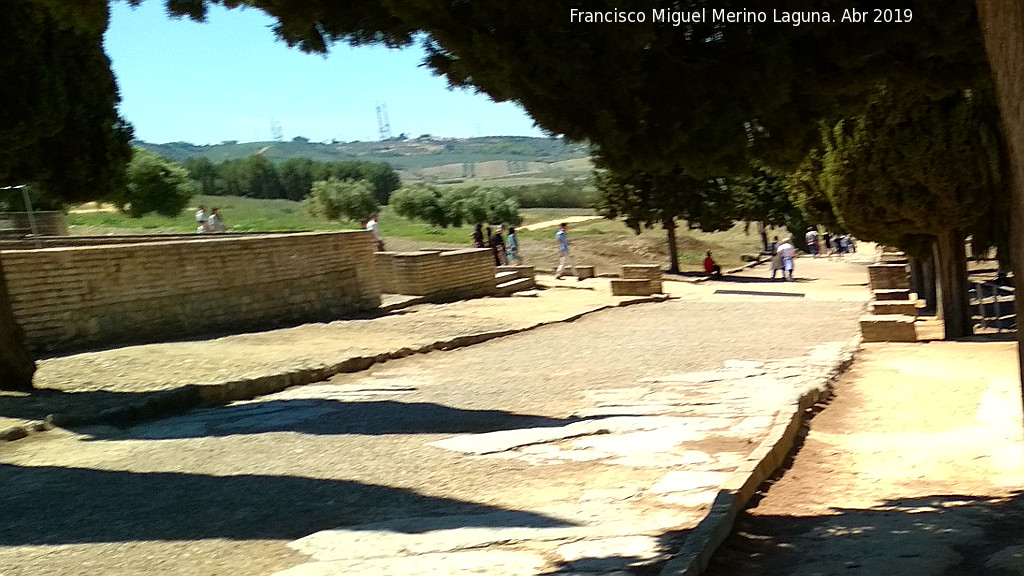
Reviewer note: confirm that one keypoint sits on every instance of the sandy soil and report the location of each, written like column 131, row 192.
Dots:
column 915, row 467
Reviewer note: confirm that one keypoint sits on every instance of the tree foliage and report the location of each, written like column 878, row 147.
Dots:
column 702, row 96
column 455, row 206
column 154, row 184
column 336, row 199
column 258, row 177
column 913, row 166
column 59, row 129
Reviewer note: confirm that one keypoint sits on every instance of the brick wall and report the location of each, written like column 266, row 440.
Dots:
column 442, row 275
column 87, row 296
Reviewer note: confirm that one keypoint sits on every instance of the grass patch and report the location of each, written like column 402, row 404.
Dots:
column 600, row 242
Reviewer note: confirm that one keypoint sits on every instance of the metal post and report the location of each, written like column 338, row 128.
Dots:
column 28, row 208
column 999, row 317
column 980, row 295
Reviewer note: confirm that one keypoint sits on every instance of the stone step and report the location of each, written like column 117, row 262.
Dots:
column 899, row 307
column 888, row 328
column 513, row 286
column 585, row 272
column 505, row 276
column 641, row 272
column 892, row 294
column 635, row 287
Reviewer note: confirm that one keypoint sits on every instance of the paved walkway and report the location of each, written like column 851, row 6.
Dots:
column 586, row 447
column 84, row 385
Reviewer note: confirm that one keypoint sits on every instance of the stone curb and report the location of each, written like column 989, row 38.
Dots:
column 160, row 404
column 761, row 464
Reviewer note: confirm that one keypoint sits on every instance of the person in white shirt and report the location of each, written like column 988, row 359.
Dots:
column 214, row 223
column 787, row 252
column 372, row 226
column 201, row 220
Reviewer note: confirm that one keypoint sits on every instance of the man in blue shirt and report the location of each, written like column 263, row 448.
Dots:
column 564, row 258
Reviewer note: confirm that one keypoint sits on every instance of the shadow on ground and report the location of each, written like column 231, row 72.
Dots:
column 74, row 505
column 760, row 280
column 937, row 535
column 330, row 417
column 39, row 403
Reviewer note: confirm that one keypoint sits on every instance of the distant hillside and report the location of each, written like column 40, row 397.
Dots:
column 430, row 159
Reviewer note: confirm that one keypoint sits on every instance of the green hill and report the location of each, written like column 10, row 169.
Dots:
column 426, row 158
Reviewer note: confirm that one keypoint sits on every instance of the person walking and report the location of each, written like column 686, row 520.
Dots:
column 787, row 252
column 478, row 236
column 201, row 220
column 373, row 226
column 512, row 247
column 498, row 246
column 564, row 257
column 214, row 223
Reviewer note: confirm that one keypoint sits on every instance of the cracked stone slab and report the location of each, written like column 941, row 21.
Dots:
column 688, row 481
column 609, row 553
column 504, row 440
column 475, row 562
column 429, row 535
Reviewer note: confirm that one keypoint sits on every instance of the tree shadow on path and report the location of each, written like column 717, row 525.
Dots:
column 330, row 417
column 937, row 535
column 52, row 505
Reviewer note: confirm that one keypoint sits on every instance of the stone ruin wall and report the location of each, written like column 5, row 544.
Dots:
column 467, row 273
column 98, row 294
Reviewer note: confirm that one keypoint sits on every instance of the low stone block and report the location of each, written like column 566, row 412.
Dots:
column 641, row 272
column 888, row 276
column 892, row 258
column 585, row 272
column 889, row 328
column 900, row 307
column 635, row 287
column 892, row 294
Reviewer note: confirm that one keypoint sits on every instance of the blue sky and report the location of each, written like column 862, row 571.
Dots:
column 227, row 78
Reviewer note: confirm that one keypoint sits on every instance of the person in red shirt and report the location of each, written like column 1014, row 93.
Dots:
column 712, row 269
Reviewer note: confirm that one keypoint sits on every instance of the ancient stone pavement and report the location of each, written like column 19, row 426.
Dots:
column 592, row 447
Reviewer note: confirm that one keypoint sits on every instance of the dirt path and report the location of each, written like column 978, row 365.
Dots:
column 915, row 467
column 553, row 223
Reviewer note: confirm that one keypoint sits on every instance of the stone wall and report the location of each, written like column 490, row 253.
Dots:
column 49, row 223
column 439, row 275
column 79, row 297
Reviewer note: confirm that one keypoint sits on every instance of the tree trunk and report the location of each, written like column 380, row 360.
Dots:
column 951, row 269
column 673, row 253
column 761, row 230
column 1002, row 27
column 16, row 366
column 922, row 279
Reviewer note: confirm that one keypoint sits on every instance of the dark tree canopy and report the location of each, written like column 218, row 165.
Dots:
column 913, row 166
column 59, row 130
column 652, row 96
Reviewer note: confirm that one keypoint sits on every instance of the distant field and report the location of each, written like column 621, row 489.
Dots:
column 603, row 243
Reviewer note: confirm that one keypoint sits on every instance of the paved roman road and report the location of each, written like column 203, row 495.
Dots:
column 585, row 447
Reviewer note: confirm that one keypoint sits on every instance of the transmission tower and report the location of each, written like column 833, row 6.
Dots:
column 383, row 124
column 276, row 131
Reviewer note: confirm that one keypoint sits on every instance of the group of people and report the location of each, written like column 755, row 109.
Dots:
column 834, row 244
column 504, row 247
column 211, row 222
column 783, row 257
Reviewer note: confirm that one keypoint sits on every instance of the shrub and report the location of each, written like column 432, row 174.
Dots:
column 455, row 206
column 336, row 199
column 154, row 184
